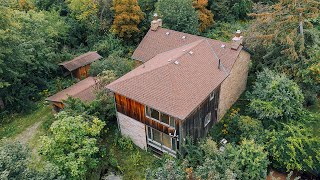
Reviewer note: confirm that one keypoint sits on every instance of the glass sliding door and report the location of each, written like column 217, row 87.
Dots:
column 161, row 141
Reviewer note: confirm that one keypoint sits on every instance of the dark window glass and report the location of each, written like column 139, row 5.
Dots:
column 149, row 133
column 166, row 140
column 156, row 136
column 165, row 118
column 172, row 123
column 174, row 146
column 154, row 114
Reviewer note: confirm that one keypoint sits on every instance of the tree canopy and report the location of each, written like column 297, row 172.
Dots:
column 178, row 15
column 73, row 144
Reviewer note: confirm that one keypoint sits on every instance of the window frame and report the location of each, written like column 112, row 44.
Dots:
column 205, row 119
column 161, row 144
column 148, row 115
column 212, row 94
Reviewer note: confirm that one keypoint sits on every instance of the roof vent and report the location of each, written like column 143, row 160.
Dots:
column 223, row 46
column 190, row 52
column 176, row 62
column 167, row 33
column 183, row 37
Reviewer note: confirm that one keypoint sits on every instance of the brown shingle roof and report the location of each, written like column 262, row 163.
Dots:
column 156, row 42
column 178, row 74
column 83, row 90
column 80, row 61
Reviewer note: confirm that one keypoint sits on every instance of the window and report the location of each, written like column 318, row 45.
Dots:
column 158, row 116
column 155, row 114
column 172, row 122
column 166, row 140
column 207, row 119
column 212, row 95
column 164, row 118
column 161, row 139
column 157, row 136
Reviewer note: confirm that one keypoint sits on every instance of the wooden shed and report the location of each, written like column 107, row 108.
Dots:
column 79, row 66
column 83, row 90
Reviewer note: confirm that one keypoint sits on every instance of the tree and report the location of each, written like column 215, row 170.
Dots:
column 170, row 170
column 127, row 17
column 275, row 97
column 83, row 9
column 205, row 16
column 279, row 36
column 110, row 44
column 178, row 15
column 73, row 144
column 236, row 128
column 294, row 148
column 119, row 65
column 14, row 160
column 246, row 161
column 231, row 10
column 30, row 48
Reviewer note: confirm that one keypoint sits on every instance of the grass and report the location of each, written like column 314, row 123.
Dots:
column 18, row 123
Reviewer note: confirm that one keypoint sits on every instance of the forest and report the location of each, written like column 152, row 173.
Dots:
column 273, row 127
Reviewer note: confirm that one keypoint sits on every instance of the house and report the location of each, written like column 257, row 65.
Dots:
column 84, row 90
column 79, row 66
column 185, row 84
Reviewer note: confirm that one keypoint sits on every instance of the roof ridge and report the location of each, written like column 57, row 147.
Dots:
column 78, row 57
column 150, row 61
column 217, row 58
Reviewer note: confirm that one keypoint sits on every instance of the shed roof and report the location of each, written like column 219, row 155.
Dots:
column 83, row 90
column 180, row 71
column 80, row 61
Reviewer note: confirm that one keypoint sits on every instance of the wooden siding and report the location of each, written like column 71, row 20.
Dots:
column 82, row 72
column 193, row 125
column 136, row 111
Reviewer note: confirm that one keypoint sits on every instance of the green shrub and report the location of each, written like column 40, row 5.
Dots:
column 275, row 97
column 119, row 65
column 235, row 128
column 294, row 148
column 245, row 161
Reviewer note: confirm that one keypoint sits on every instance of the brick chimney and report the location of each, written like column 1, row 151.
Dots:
column 155, row 23
column 237, row 40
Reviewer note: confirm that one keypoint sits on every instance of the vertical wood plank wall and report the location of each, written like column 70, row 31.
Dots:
column 136, row 111
column 82, row 72
column 193, row 126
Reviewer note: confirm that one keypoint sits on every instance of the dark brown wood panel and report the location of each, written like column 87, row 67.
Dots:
column 136, row 111
column 193, row 125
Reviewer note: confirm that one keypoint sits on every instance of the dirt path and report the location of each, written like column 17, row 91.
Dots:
column 28, row 134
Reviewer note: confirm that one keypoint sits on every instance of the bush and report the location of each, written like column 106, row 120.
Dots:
column 109, row 45
column 246, row 161
column 275, row 97
column 236, row 128
column 119, row 65
column 73, row 144
column 294, row 148
column 14, row 161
